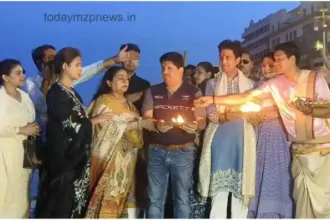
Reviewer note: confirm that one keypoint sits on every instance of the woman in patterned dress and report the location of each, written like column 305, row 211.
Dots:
column 273, row 198
column 114, row 148
column 65, row 177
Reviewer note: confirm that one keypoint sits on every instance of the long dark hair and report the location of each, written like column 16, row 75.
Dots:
column 109, row 75
column 207, row 66
column 65, row 55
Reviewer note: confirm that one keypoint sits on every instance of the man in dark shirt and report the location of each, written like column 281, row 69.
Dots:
column 247, row 67
column 171, row 150
column 137, row 85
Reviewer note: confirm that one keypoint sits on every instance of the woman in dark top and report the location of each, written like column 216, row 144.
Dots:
column 65, row 177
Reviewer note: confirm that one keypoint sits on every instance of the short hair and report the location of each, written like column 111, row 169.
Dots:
column 174, row 57
column 290, row 49
column 235, row 46
column 207, row 66
column 6, row 66
column 39, row 53
column 65, row 55
column 268, row 55
column 131, row 47
column 50, row 66
column 248, row 53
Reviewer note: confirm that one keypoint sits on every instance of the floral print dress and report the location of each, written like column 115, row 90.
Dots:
column 65, row 176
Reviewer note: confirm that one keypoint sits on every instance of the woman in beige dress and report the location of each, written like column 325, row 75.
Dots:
column 17, row 115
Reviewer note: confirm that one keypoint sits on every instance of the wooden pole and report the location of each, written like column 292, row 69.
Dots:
column 185, row 56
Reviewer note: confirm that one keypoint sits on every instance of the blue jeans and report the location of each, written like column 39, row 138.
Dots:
column 161, row 164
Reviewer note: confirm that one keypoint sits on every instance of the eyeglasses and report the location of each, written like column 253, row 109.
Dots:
column 245, row 61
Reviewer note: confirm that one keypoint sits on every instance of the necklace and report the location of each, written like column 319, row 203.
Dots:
column 73, row 95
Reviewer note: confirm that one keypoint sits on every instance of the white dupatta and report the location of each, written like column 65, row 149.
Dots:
column 249, row 150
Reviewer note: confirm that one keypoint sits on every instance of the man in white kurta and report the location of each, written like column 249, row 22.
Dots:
column 311, row 162
column 308, row 131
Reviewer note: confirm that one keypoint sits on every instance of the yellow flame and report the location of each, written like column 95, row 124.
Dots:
column 318, row 45
column 178, row 120
column 250, row 107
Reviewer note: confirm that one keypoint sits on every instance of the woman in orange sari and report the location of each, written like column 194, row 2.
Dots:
column 114, row 147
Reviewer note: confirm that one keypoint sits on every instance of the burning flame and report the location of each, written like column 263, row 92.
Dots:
column 318, row 45
column 178, row 120
column 250, row 107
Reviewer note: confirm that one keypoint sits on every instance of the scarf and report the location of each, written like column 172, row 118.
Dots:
column 111, row 175
column 249, row 150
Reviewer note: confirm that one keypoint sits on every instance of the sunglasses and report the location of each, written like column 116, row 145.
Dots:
column 245, row 61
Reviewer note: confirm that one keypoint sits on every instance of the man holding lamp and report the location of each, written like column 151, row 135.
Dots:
column 171, row 150
column 302, row 97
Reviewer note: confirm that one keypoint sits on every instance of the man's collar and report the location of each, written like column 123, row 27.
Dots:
column 183, row 82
